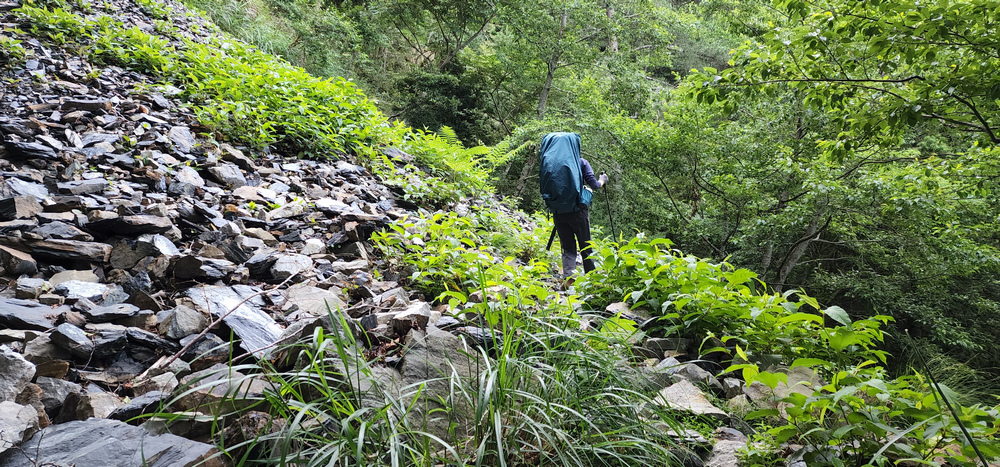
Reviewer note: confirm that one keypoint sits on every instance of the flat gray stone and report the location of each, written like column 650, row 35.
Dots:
column 255, row 328
column 73, row 275
column 17, row 424
column 132, row 226
column 182, row 138
column 229, row 175
column 27, row 315
column 684, row 396
column 55, row 391
column 110, row 443
column 76, row 290
column 188, row 175
column 290, row 266
column 84, row 187
column 16, row 263
column 313, row 300
column 15, row 373
column 20, row 207
column 108, row 314
column 73, row 339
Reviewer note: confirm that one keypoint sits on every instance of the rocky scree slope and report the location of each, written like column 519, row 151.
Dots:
column 135, row 246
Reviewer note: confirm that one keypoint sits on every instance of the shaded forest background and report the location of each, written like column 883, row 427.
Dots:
column 812, row 143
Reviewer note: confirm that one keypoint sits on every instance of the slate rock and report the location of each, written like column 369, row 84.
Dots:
column 181, row 322
column 30, row 287
column 73, row 339
column 110, row 443
column 89, row 105
column 313, row 300
column 20, row 207
column 22, row 188
column 76, row 290
column 23, row 314
column 71, row 250
column 54, row 393
column 19, row 150
column 228, row 175
column 288, row 266
column 108, row 314
column 206, row 351
column 182, row 138
column 73, row 275
column 146, row 403
column 255, row 328
column 62, row 231
column 84, row 187
column 17, row 424
column 131, row 226
column 427, row 356
column 15, row 373
column 684, row 396
column 16, row 263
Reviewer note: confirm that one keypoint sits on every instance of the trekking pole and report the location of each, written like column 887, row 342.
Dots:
column 611, row 221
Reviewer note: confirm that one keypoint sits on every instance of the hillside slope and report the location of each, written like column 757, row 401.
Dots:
column 174, row 264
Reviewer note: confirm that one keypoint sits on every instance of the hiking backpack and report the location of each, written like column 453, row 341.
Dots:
column 560, row 176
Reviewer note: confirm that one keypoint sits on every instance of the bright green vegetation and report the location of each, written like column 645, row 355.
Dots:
column 839, row 172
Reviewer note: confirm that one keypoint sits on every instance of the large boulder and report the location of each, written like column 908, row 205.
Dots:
column 431, row 359
column 109, row 443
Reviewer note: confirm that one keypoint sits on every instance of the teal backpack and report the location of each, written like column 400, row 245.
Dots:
column 560, row 176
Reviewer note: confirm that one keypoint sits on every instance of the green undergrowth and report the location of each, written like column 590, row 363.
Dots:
column 846, row 410
column 236, row 90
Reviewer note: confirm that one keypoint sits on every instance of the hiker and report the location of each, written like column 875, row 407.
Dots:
column 567, row 182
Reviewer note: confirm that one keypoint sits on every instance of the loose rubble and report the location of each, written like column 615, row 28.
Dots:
column 125, row 234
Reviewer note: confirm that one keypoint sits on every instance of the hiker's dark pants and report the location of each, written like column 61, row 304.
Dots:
column 573, row 229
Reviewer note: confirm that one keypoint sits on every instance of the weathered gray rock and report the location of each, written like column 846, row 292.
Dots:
column 431, row 358
column 291, row 265
column 55, row 391
column 16, row 263
column 697, row 375
column 73, row 339
column 228, row 174
column 140, row 405
column 109, row 443
column 313, row 246
column 220, row 388
column 20, row 150
column 291, row 209
column 416, row 316
column 62, row 231
column 131, row 226
column 17, row 424
column 23, row 314
column 71, row 250
column 686, row 397
column 188, row 175
column 231, row 154
column 20, row 207
column 22, row 188
column 313, row 300
column 182, row 321
column 30, row 287
column 73, row 275
column 255, row 328
column 15, row 373
column 108, row 314
column 84, row 187
column 77, row 289
column 182, row 138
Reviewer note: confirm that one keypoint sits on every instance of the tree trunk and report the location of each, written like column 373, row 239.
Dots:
column 613, row 39
column 525, row 174
column 553, row 64
column 798, row 250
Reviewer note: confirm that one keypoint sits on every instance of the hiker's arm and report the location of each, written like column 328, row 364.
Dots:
column 588, row 175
